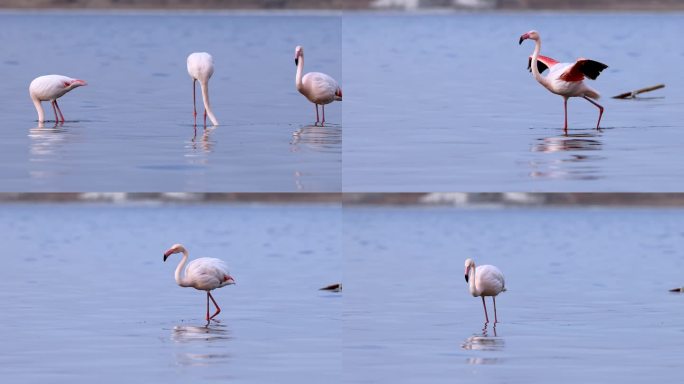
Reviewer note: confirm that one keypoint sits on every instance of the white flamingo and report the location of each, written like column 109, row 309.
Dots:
column 319, row 88
column 204, row 274
column 486, row 280
column 50, row 88
column 564, row 79
column 200, row 68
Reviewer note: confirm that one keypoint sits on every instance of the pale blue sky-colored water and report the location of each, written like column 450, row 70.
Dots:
column 131, row 128
column 86, row 296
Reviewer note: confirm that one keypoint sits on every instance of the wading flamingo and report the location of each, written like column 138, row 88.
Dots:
column 50, row 88
column 564, row 79
column 200, row 68
column 486, row 280
column 204, row 274
column 318, row 87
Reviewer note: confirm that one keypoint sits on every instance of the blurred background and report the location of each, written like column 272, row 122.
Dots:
column 352, row 4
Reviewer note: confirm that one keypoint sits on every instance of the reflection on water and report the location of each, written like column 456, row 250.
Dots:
column 202, row 143
column 317, row 138
column 45, row 140
column 192, row 333
column 204, row 337
column 484, row 342
column 568, row 142
column 572, row 165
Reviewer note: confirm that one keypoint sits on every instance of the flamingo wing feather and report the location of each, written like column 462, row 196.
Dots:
column 583, row 67
column 543, row 62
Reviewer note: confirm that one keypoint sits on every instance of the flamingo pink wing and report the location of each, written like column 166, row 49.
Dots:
column 583, row 67
column 543, row 62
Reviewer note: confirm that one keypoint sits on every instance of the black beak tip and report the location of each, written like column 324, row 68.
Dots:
column 165, row 257
column 521, row 40
column 296, row 62
column 466, row 278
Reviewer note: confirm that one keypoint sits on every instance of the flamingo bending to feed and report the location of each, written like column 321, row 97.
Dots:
column 200, row 68
column 564, row 79
column 486, row 280
column 319, row 88
column 204, row 274
column 50, row 88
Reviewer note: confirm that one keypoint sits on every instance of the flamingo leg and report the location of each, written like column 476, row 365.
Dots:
column 207, row 306
column 59, row 110
column 316, row 113
column 565, row 107
column 194, row 103
column 600, row 110
column 485, row 309
column 205, row 118
column 218, row 310
column 55, row 111
column 495, row 319
column 323, row 122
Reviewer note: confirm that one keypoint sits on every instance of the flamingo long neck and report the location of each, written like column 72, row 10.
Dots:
column 471, row 283
column 300, row 72
column 179, row 270
column 535, row 57
column 207, row 106
column 39, row 109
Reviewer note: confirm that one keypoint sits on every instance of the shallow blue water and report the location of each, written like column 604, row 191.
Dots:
column 85, row 295
column 587, row 295
column 443, row 102
column 131, row 128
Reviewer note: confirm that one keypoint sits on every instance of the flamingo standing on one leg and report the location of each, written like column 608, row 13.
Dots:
column 318, row 87
column 486, row 280
column 205, row 274
column 200, row 68
column 564, row 79
column 50, row 88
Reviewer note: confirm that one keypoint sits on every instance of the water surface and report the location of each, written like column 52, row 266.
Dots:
column 587, row 295
column 443, row 102
column 131, row 128
column 86, row 296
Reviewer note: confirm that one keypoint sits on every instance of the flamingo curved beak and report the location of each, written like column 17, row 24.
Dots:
column 466, row 277
column 230, row 280
column 296, row 61
column 80, row 83
column 467, row 273
column 524, row 37
column 166, row 255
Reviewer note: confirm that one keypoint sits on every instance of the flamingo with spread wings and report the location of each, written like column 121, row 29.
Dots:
column 564, row 79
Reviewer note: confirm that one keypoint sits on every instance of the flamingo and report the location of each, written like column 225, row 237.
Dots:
column 486, row 280
column 200, row 68
column 318, row 87
column 50, row 88
column 564, row 79
column 204, row 274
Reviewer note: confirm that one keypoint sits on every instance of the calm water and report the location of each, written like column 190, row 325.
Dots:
column 85, row 295
column 587, row 296
column 131, row 128
column 444, row 102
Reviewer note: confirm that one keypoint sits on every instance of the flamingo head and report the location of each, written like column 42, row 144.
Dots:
column 74, row 83
column 469, row 263
column 176, row 248
column 532, row 35
column 299, row 52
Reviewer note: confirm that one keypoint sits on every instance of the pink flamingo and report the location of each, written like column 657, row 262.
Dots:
column 486, row 280
column 318, row 87
column 564, row 79
column 201, row 67
column 50, row 88
column 204, row 274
